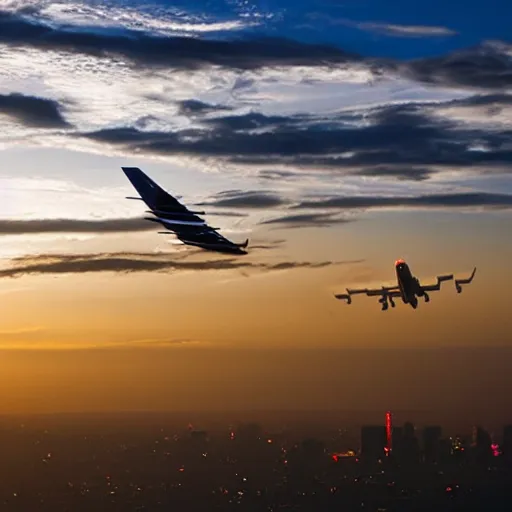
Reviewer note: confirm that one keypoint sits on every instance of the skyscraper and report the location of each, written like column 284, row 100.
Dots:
column 507, row 444
column 481, row 446
column 410, row 451
column 389, row 433
column 431, row 443
column 373, row 442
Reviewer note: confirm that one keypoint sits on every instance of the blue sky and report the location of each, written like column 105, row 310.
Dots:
column 348, row 24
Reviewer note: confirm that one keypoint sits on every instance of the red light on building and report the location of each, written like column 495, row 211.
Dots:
column 389, row 433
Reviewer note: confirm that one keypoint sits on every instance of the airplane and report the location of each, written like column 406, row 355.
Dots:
column 408, row 289
column 177, row 218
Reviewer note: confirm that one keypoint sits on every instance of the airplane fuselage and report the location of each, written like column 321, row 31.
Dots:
column 410, row 288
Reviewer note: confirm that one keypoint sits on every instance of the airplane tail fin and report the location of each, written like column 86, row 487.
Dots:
column 150, row 192
column 244, row 245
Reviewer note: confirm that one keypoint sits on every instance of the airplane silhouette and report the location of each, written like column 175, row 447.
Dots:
column 408, row 288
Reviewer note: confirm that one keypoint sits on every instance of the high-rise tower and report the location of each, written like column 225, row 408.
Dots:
column 389, row 433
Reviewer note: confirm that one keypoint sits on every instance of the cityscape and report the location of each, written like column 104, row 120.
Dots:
column 151, row 462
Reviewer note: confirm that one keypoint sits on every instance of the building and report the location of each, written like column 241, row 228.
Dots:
column 431, row 444
column 481, row 446
column 373, row 442
column 507, row 444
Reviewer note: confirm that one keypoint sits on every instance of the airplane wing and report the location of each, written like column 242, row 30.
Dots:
column 384, row 291
column 449, row 277
column 459, row 282
column 436, row 287
column 177, row 218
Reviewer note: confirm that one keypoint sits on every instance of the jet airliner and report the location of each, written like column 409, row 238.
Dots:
column 177, row 218
column 408, row 288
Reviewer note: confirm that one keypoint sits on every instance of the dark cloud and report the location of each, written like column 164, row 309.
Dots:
column 32, row 111
column 400, row 173
column 227, row 214
column 20, row 227
column 487, row 66
column 250, row 121
column 500, row 99
column 271, row 174
column 391, row 137
column 271, row 244
column 135, row 262
column 286, row 265
column 493, row 103
column 307, row 220
column 248, row 199
column 454, row 200
column 195, row 107
column 175, row 52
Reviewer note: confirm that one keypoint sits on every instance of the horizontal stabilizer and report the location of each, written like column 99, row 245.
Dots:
column 138, row 198
column 344, row 296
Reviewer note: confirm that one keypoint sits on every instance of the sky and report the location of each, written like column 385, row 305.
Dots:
column 338, row 136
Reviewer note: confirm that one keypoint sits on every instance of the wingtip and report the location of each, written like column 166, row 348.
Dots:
column 128, row 170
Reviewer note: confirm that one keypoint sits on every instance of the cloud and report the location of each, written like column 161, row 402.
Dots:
column 21, row 331
column 377, row 138
column 250, row 121
column 486, row 66
column 197, row 107
column 144, row 49
column 406, row 30
column 137, row 262
column 400, row 173
column 226, row 214
column 247, row 199
column 390, row 29
column 275, row 174
column 271, row 244
column 22, row 341
column 152, row 342
column 32, row 111
column 21, row 227
column 454, row 200
column 307, row 220
column 501, row 99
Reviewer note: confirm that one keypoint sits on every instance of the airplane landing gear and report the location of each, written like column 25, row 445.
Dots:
column 384, row 301
column 392, row 302
column 427, row 298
